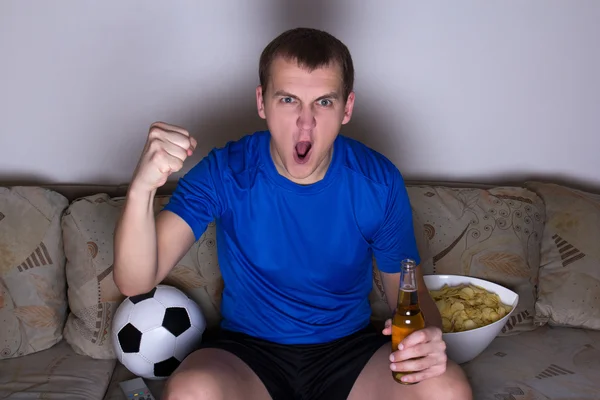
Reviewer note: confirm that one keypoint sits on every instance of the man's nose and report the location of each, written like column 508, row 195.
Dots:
column 306, row 119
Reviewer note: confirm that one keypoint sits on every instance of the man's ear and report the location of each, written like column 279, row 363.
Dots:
column 260, row 103
column 348, row 108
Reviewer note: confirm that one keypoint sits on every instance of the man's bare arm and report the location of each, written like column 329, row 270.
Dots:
column 391, row 285
column 147, row 249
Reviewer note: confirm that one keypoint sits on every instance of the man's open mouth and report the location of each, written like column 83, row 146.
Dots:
column 302, row 151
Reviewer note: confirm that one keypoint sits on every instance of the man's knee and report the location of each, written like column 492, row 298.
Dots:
column 451, row 385
column 194, row 385
column 459, row 390
column 455, row 383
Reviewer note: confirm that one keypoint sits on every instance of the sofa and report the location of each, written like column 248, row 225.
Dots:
column 540, row 239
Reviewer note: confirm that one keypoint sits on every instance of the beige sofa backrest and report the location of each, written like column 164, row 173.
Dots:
column 59, row 242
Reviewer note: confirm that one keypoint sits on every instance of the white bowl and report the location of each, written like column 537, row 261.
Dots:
column 465, row 346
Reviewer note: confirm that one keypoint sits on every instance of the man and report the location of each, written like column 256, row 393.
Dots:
column 300, row 212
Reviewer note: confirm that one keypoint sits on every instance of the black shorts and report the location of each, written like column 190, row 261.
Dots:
column 324, row 371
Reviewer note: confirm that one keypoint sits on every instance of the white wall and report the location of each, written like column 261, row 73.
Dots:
column 462, row 90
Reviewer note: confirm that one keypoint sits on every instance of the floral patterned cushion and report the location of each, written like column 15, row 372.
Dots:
column 493, row 234
column 569, row 281
column 88, row 228
column 33, row 302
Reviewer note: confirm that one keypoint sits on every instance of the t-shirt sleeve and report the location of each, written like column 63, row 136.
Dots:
column 196, row 199
column 395, row 239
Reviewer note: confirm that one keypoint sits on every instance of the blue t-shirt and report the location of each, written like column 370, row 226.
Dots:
column 297, row 259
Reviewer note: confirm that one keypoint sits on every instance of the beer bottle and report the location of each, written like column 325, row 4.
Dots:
column 408, row 316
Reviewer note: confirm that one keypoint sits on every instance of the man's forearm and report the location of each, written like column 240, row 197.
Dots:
column 391, row 284
column 135, row 245
column 429, row 309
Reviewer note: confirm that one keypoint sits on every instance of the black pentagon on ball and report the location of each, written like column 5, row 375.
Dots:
column 141, row 297
column 130, row 339
column 176, row 320
column 165, row 368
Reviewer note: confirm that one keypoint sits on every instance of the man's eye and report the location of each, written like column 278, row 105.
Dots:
column 287, row 100
column 325, row 102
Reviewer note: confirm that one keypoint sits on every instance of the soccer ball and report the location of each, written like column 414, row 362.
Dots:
column 153, row 332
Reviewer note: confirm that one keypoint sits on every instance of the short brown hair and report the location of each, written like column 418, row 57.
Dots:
column 311, row 48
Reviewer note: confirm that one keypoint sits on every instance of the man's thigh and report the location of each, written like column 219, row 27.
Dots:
column 212, row 373
column 376, row 382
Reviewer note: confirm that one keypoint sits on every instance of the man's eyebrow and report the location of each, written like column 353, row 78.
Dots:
column 330, row 95
column 284, row 94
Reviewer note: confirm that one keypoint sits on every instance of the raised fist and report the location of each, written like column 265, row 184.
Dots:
column 165, row 151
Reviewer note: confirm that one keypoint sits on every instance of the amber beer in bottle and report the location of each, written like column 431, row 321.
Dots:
column 408, row 316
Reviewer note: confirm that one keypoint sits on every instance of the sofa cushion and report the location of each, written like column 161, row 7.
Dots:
column 121, row 374
column 33, row 302
column 55, row 373
column 569, row 282
column 547, row 363
column 88, row 228
column 493, row 234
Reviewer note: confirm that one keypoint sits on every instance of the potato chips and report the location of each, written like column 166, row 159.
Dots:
column 466, row 307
